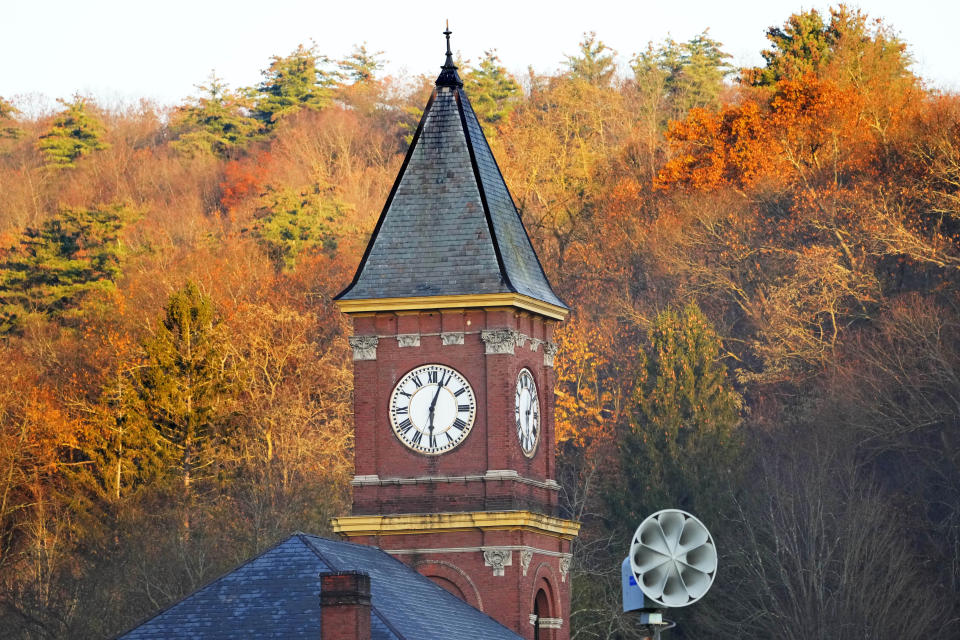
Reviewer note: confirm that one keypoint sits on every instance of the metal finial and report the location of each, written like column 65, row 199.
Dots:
column 448, row 73
column 449, row 62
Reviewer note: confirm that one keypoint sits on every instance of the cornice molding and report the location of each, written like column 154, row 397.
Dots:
column 455, row 301
column 405, row 524
column 501, row 475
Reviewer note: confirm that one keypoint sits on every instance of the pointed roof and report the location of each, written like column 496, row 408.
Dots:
column 277, row 595
column 450, row 234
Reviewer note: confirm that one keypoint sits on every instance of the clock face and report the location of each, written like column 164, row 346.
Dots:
column 527, row 413
column 432, row 409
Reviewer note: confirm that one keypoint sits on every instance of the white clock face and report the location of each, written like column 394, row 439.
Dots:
column 527, row 413
column 432, row 409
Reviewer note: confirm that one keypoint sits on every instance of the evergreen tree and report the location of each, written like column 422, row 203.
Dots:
column 807, row 45
column 62, row 264
column 292, row 83
column 362, row 65
column 8, row 127
column 74, row 133
column 215, row 123
column 686, row 75
column 292, row 223
column 183, row 385
column 680, row 448
column 493, row 92
column 595, row 64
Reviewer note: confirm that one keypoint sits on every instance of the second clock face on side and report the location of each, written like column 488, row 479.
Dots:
column 432, row 409
column 527, row 413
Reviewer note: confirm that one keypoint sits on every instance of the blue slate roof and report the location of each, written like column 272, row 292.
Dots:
column 449, row 226
column 277, row 595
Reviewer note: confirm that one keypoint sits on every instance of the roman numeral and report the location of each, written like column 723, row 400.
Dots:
column 404, row 393
column 432, row 376
column 449, row 437
column 401, row 411
column 433, row 441
column 416, row 380
column 404, row 426
column 463, row 407
column 417, row 438
column 459, row 424
column 461, row 390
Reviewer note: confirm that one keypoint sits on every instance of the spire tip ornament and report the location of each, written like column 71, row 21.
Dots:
column 448, row 75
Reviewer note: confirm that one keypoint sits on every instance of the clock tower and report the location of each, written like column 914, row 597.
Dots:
column 453, row 321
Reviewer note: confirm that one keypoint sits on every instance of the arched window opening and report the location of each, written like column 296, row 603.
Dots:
column 541, row 609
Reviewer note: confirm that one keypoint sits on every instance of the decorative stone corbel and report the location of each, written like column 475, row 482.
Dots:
column 535, row 343
column 549, row 350
column 408, row 340
column 520, row 338
column 499, row 340
column 526, row 555
column 498, row 558
column 451, row 337
column 564, row 567
column 364, row 347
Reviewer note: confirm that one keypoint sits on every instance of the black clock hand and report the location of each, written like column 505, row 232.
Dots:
column 433, row 405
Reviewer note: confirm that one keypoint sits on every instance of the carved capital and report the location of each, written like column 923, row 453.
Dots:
column 549, row 350
column 451, row 337
column 520, row 338
column 499, row 340
column 535, row 343
column 551, row 623
column 564, row 567
column 526, row 555
column 364, row 347
column 498, row 558
column 408, row 340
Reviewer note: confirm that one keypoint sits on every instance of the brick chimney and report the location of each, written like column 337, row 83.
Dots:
column 345, row 605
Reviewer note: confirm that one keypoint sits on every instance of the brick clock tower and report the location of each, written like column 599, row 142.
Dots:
column 453, row 350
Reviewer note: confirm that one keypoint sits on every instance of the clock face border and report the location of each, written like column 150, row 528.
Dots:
column 448, row 401
column 539, row 413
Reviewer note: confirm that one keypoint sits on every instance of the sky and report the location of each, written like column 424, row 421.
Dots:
column 119, row 51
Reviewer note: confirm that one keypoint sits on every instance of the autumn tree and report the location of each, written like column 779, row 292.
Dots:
column 75, row 132
column 70, row 259
column 217, row 122
column 183, row 387
column 292, row 83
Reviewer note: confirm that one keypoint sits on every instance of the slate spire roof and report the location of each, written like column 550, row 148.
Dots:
column 449, row 226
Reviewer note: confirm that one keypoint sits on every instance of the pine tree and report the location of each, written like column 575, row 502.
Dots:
column 595, row 64
column 74, row 133
column 62, row 264
column 361, row 65
column 215, row 123
column 183, row 385
column 8, row 127
column 292, row 83
column 493, row 92
column 291, row 223
column 681, row 446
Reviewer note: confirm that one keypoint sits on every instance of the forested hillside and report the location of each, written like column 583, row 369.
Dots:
column 763, row 267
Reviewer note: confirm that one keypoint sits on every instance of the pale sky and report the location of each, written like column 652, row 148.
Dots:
column 123, row 50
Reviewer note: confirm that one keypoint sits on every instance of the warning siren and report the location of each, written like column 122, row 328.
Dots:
column 673, row 558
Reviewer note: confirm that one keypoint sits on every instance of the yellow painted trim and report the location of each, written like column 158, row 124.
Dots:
column 448, row 302
column 351, row 526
